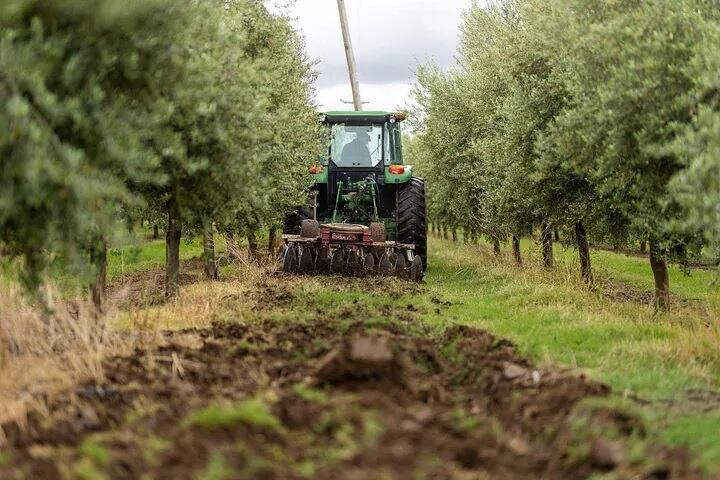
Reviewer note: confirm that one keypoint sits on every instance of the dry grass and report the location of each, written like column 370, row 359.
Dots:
column 199, row 303
column 42, row 354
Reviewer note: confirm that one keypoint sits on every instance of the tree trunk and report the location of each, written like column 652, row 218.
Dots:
column 454, row 235
column 97, row 289
column 156, row 232
column 516, row 249
column 496, row 246
column 643, row 246
column 233, row 249
column 662, row 279
column 211, row 271
column 547, row 245
column 252, row 243
column 444, row 232
column 557, row 234
column 172, row 253
column 474, row 236
column 272, row 240
column 433, row 228
column 584, row 251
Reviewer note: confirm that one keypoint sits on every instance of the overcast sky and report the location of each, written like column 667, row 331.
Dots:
column 390, row 37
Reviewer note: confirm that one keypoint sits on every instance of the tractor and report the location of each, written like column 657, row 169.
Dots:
column 365, row 211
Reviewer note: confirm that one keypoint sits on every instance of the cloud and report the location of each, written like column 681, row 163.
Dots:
column 390, row 39
column 380, row 96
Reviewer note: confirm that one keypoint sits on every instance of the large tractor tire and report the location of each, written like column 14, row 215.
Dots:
column 293, row 221
column 412, row 227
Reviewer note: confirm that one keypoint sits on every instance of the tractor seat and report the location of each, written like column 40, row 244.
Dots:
column 349, row 228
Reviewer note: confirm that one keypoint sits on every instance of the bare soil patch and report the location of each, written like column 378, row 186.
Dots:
column 334, row 398
column 622, row 292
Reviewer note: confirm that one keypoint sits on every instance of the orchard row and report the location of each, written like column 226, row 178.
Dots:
column 598, row 118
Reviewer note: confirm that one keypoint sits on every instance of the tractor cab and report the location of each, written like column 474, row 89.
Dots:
column 364, row 153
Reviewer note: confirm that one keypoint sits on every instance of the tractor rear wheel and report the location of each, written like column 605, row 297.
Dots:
column 293, row 221
column 411, row 226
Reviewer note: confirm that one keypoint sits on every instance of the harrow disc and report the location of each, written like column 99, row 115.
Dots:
column 337, row 262
column 416, row 269
column 369, row 262
column 400, row 263
column 385, row 263
column 289, row 259
column 307, row 264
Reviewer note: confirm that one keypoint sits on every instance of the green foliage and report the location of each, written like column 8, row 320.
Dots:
column 79, row 106
column 571, row 111
column 199, row 110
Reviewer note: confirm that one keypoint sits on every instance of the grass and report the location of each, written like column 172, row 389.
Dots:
column 635, row 270
column 555, row 320
column 150, row 255
column 550, row 315
column 253, row 412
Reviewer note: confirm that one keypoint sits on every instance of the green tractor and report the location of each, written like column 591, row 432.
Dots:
column 366, row 210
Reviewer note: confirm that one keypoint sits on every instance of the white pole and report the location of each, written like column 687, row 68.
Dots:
column 352, row 66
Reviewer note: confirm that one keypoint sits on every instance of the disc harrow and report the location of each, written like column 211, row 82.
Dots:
column 348, row 249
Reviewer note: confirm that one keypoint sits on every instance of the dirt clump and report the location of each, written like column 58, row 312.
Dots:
column 360, row 359
column 322, row 399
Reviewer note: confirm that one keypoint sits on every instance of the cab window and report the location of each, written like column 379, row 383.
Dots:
column 356, row 145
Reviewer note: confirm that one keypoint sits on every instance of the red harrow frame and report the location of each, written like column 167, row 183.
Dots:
column 343, row 248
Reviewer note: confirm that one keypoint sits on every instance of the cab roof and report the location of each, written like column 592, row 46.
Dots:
column 340, row 116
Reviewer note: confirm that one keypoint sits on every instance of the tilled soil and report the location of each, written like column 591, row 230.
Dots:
column 335, row 398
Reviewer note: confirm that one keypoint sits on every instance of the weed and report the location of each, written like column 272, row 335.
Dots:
column 253, row 412
column 92, row 462
column 95, row 451
column 217, row 468
column 56, row 349
column 465, row 421
column 154, row 446
column 373, row 429
column 310, row 394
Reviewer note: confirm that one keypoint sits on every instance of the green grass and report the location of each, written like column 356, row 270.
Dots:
column 216, row 469
column 134, row 254
column 143, row 256
column 635, row 271
column 553, row 318
column 253, row 412
column 701, row 431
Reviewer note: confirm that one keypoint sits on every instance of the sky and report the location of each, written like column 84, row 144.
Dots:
column 390, row 38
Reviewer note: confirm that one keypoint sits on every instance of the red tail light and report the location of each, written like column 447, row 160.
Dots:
column 397, row 169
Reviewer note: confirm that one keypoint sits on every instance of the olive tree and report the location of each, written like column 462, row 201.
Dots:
column 627, row 75
column 79, row 114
